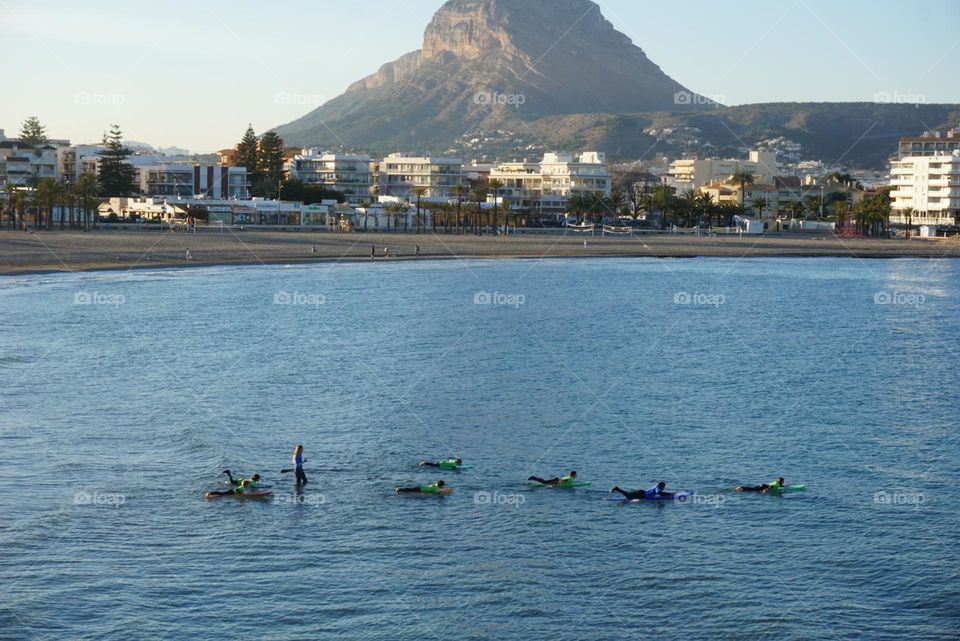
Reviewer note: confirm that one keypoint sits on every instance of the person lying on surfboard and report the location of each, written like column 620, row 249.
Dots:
column 657, row 491
column 563, row 480
column 763, row 487
column 434, row 488
column 254, row 480
column 243, row 488
column 445, row 464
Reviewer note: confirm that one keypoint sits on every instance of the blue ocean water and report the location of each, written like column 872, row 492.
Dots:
column 124, row 395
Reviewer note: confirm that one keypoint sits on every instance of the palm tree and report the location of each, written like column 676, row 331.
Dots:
column 617, row 202
column 813, row 204
column 908, row 214
column 688, row 203
column 495, row 186
column 506, row 211
column 11, row 211
column 45, row 196
column 742, row 178
column 86, row 189
column 66, row 202
column 419, row 192
column 706, row 206
column 759, row 204
column 479, row 194
column 459, row 191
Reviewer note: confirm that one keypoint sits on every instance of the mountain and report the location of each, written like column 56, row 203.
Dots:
column 492, row 64
column 513, row 78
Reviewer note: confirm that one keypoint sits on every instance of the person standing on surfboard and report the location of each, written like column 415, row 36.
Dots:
column 298, row 465
column 563, row 480
column 655, row 492
column 763, row 487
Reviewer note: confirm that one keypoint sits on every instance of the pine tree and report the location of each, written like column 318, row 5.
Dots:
column 247, row 154
column 32, row 132
column 117, row 176
column 270, row 160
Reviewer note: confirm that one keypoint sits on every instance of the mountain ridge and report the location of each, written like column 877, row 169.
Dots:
column 556, row 73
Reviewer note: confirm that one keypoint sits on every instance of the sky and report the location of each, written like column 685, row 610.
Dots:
column 193, row 74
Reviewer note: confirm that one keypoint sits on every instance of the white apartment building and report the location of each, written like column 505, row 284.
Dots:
column 931, row 143
column 76, row 160
column 400, row 175
column 547, row 184
column 21, row 164
column 930, row 186
column 693, row 173
column 350, row 174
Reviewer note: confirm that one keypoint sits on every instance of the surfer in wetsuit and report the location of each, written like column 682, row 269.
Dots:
column 657, row 491
column 447, row 464
column 254, row 480
column 564, row 480
column 434, row 488
column 244, row 487
column 763, row 487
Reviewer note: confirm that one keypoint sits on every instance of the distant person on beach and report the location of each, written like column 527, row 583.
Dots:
column 373, row 252
column 446, row 464
column 434, row 488
column 563, row 480
column 763, row 487
column 298, row 465
column 650, row 493
column 254, row 480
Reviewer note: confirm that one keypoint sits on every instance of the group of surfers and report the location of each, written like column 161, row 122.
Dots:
column 250, row 485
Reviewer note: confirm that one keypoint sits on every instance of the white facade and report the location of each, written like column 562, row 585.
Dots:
column 547, row 184
column 76, row 160
column 693, row 173
column 401, row 175
column 22, row 164
column 930, row 185
column 352, row 175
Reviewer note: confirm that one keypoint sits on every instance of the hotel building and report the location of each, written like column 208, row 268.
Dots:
column 400, row 175
column 930, row 186
column 352, row 175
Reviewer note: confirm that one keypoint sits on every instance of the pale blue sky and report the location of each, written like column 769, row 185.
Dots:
column 194, row 73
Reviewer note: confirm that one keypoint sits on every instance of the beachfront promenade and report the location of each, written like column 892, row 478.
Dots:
column 115, row 249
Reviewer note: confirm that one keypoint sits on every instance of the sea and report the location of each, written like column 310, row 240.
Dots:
column 124, row 395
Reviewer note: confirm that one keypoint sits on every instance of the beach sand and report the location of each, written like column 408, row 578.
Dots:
column 118, row 249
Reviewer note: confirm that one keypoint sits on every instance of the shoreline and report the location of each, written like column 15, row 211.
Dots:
column 71, row 251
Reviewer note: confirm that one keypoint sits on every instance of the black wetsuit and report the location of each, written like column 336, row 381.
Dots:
column 553, row 481
column 631, row 496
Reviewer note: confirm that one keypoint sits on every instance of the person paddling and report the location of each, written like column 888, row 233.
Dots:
column 434, row 488
column 563, row 480
column 243, row 488
column 772, row 486
column 445, row 464
column 254, row 480
column 655, row 492
column 298, row 465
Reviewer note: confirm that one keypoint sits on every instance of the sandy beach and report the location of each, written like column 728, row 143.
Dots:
column 118, row 249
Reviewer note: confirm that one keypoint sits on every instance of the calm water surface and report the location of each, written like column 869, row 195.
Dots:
column 125, row 394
